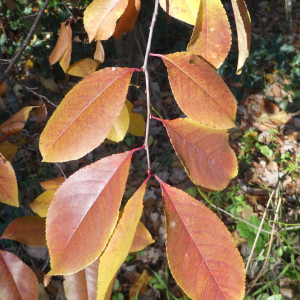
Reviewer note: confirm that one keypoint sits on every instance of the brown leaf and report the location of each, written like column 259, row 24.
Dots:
column 41, row 113
column 99, row 55
column 140, row 287
column 3, row 88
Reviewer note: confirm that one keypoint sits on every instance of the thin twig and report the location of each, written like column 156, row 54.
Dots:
column 270, row 244
column 26, row 42
column 258, row 232
column 14, row 142
column 33, row 92
column 67, row 8
column 61, row 170
column 145, row 69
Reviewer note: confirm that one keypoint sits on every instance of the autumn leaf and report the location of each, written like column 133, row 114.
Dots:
column 3, row 88
column 119, row 245
column 142, row 238
column 85, row 116
column 8, row 183
column 201, row 253
column 199, row 91
column 211, row 37
column 49, row 84
column 83, row 67
column 17, row 280
column 100, row 18
column 204, row 152
column 119, row 129
column 83, row 284
column 85, row 208
column 63, row 47
column 53, row 184
column 16, row 123
column 127, row 20
column 99, row 55
column 184, row 10
column 8, row 150
column 137, row 124
column 41, row 204
column 140, row 287
column 243, row 26
column 29, row 230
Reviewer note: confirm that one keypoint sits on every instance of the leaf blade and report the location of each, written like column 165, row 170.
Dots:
column 120, row 242
column 41, row 204
column 77, row 117
column 73, row 226
column 142, row 238
column 211, row 248
column 199, row 91
column 204, row 152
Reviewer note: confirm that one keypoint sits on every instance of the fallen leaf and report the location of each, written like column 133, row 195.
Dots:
column 281, row 117
column 140, row 287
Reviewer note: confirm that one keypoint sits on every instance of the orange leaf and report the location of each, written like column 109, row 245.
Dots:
column 100, row 18
column 64, row 61
column 127, row 20
column 243, row 26
column 119, row 128
column 119, row 245
column 41, row 204
column 199, row 91
column 140, row 287
column 83, row 284
column 16, row 123
column 84, row 213
column 202, row 255
column 17, row 280
column 99, row 55
column 85, row 116
column 29, row 230
column 41, row 113
column 137, row 124
column 3, row 88
column 61, row 45
column 142, row 238
column 204, row 152
column 211, row 37
column 53, row 184
column 184, row 10
column 8, row 150
column 8, row 183
column 83, row 67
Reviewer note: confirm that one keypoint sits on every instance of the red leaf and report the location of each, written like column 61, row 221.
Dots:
column 204, row 152
column 84, row 212
column 17, row 280
column 199, row 91
column 29, row 230
column 201, row 252
column 8, row 183
column 85, row 116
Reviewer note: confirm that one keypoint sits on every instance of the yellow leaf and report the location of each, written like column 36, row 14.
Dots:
column 142, row 238
column 140, row 287
column 119, row 245
column 211, row 37
column 243, row 26
column 99, row 55
column 64, row 61
column 119, row 129
column 100, row 18
column 53, row 184
column 83, row 67
column 137, row 125
column 49, row 84
column 41, row 204
column 8, row 150
column 184, row 10
column 29, row 64
column 281, row 117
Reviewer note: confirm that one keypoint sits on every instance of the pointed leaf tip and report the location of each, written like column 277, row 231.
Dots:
column 199, row 91
column 85, row 208
column 204, row 152
column 201, row 252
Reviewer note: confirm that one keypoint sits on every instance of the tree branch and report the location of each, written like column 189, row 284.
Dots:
column 26, row 42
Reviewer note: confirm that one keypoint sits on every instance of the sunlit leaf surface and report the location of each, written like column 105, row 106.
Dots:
column 83, row 67
column 41, row 204
column 142, row 238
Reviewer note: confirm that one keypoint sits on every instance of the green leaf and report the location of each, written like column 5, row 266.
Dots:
column 287, row 48
column 116, row 284
column 266, row 151
column 264, row 296
column 118, row 296
column 249, row 232
column 275, row 297
column 192, row 191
